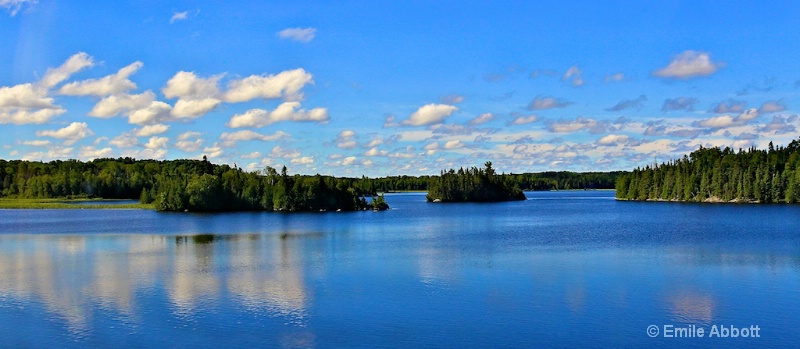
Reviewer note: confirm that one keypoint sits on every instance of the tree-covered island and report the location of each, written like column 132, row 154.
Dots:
column 719, row 175
column 473, row 185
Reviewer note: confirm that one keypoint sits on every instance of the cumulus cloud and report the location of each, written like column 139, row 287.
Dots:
column 625, row 104
column 285, row 153
column 24, row 116
column 345, row 140
column 253, row 155
column 689, row 64
column 481, row 119
column 298, row 34
column 104, row 86
column 772, row 107
column 156, row 112
column 723, row 121
column 287, row 111
column 214, row 151
column 70, row 134
column 780, row 125
column 187, row 85
column 613, row 139
column 574, row 75
column 430, row 114
column 156, row 143
column 522, row 119
column 91, row 153
column 151, row 130
column 121, row 103
column 680, row 103
column 729, row 106
column 37, row 143
column 74, row 64
column 544, row 102
column 193, row 108
column 375, row 152
column 125, row 140
column 286, row 85
column 305, row 160
column 454, row 144
column 189, row 141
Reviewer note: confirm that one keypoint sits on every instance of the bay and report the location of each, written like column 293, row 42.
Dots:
column 563, row 269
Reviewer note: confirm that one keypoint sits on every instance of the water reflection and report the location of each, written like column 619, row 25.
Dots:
column 71, row 276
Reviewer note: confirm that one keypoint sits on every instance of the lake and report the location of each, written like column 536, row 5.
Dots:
column 561, row 269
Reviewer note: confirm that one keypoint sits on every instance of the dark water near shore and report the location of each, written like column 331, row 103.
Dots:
column 564, row 269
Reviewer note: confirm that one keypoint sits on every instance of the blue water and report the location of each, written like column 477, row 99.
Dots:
column 563, row 269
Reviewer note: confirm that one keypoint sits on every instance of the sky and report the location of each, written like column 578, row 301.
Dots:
column 396, row 88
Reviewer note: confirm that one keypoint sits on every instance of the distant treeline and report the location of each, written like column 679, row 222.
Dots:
column 562, row 180
column 720, row 175
column 199, row 185
column 180, row 185
column 473, row 185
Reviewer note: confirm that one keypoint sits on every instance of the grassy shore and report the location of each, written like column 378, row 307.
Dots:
column 67, row 204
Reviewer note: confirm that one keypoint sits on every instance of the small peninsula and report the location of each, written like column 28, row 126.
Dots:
column 473, row 185
column 719, row 175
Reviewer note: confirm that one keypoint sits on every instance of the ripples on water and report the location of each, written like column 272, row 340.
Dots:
column 561, row 269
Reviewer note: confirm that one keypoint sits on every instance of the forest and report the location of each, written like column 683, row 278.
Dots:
column 199, row 185
column 183, row 185
column 719, row 175
column 473, row 185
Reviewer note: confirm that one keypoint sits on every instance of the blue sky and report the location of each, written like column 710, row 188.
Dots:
column 381, row 89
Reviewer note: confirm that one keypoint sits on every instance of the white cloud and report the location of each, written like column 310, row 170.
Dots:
column 23, row 116
column 481, row 119
column 193, row 108
column 145, row 154
column 14, row 6
column 375, row 152
column 298, row 34
column 285, row 153
column 253, row 155
column 151, row 130
column 578, row 124
column 287, row 111
column 349, row 160
column 430, row 114
column 108, row 85
column 345, row 140
column 613, row 139
column 189, row 141
column 70, row 134
column 543, row 103
column 689, row 64
column 187, row 85
column 26, row 104
column 574, row 76
column 125, row 140
column 156, row 143
column 91, row 153
column 454, row 144
column 74, row 64
column 179, row 16
column 305, row 160
column 156, row 112
column 121, row 103
column 717, row 121
column 522, row 120
column 286, row 85
column 246, row 135
column 214, row 151
column 37, row 143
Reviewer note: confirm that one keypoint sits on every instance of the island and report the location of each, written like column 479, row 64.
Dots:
column 473, row 185
column 753, row 175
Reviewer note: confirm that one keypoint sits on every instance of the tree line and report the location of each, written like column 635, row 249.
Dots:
column 181, row 185
column 769, row 175
column 473, row 185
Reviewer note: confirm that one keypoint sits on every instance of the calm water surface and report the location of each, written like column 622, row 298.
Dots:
column 562, row 269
